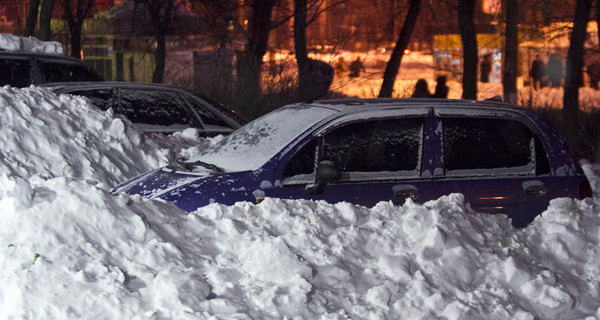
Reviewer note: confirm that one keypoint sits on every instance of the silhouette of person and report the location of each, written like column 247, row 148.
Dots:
column 355, row 67
column 421, row 90
column 537, row 72
column 593, row 71
column 555, row 70
column 340, row 67
column 441, row 89
column 486, row 68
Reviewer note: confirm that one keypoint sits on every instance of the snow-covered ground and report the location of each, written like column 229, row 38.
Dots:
column 69, row 249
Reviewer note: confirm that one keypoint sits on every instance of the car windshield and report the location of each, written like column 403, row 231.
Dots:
column 254, row 144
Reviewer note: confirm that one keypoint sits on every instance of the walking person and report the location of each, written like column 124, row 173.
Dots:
column 537, row 72
column 355, row 67
column 441, row 89
column 486, row 68
column 555, row 70
column 421, row 90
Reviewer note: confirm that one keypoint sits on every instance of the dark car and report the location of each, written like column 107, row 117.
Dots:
column 22, row 69
column 504, row 159
column 155, row 107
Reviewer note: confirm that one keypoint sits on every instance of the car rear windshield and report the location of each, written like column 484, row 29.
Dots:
column 254, row 144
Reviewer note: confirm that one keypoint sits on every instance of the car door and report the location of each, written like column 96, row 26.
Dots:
column 380, row 159
column 496, row 160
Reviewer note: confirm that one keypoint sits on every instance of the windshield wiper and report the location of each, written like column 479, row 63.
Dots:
column 190, row 166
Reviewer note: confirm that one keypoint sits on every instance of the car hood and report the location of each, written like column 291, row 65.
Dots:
column 191, row 190
column 156, row 183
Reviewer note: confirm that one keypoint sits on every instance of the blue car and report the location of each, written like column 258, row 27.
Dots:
column 503, row 158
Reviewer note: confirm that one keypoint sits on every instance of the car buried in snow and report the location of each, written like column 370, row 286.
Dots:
column 155, row 108
column 502, row 158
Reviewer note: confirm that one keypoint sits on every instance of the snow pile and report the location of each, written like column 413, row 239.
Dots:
column 69, row 249
column 66, row 136
column 11, row 42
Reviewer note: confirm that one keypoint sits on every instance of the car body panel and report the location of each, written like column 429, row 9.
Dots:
column 519, row 192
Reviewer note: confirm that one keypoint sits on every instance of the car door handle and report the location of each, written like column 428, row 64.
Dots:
column 403, row 192
column 535, row 189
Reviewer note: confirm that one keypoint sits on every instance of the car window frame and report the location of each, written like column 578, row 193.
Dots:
column 474, row 113
column 42, row 79
column 425, row 113
column 232, row 125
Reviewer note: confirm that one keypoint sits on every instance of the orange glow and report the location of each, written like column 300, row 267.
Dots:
column 493, row 198
column 406, row 51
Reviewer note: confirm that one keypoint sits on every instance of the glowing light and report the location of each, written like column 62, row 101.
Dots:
column 493, row 198
column 406, row 51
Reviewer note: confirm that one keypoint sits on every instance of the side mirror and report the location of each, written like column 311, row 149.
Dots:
column 327, row 172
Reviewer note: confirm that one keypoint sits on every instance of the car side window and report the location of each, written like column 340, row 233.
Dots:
column 477, row 146
column 65, row 72
column 210, row 119
column 155, row 109
column 380, row 149
column 101, row 98
column 15, row 72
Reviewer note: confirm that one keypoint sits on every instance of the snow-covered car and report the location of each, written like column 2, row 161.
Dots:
column 154, row 107
column 26, row 60
column 22, row 69
column 502, row 158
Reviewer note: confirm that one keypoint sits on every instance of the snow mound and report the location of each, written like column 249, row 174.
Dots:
column 100, row 256
column 66, row 136
column 11, row 42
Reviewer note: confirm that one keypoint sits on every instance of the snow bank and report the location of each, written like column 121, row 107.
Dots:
column 73, row 250
column 66, row 136
column 69, row 249
column 11, row 42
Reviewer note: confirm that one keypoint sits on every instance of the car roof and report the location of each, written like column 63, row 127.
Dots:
column 37, row 55
column 66, row 86
column 353, row 105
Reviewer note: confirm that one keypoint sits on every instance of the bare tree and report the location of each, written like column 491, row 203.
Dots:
column 251, row 61
column 75, row 22
column 32, row 17
column 162, row 14
column 391, row 70
column 573, row 76
column 300, row 45
column 466, row 27
column 44, row 32
column 511, row 48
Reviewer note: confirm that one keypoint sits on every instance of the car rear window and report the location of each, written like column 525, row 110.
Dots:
column 476, row 146
column 155, row 110
column 65, row 72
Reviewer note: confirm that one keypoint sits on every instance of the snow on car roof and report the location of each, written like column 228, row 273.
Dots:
column 9, row 42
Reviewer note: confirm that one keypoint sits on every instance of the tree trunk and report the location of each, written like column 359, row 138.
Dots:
column 31, row 18
column 45, row 18
column 75, row 22
column 511, row 49
column 468, row 35
column 391, row 70
column 159, row 58
column 300, row 48
column 573, row 76
column 249, row 68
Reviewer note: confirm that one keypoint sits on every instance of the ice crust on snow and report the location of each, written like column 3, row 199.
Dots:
column 11, row 42
column 69, row 249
